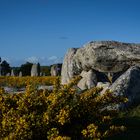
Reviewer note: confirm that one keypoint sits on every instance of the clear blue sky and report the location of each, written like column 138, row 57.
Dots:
column 45, row 29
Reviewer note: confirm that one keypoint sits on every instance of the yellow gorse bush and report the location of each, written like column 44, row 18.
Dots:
column 14, row 81
column 61, row 114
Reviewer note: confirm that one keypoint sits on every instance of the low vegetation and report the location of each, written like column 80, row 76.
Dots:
column 61, row 114
column 19, row 82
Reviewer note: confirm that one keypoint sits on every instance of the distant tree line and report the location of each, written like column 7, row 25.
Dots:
column 4, row 67
column 25, row 68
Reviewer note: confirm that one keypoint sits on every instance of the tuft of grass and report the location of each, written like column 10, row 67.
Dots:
column 130, row 119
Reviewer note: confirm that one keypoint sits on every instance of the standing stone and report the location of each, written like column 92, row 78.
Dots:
column 56, row 69
column 12, row 73
column 68, row 68
column 41, row 74
column 20, row 74
column 8, row 74
column 34, row 70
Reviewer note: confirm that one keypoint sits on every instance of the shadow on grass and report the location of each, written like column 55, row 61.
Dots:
column 133, row 128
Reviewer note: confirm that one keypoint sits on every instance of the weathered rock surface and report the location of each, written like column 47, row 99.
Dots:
column 104, row 85
column 56, row 69
column 20, row 74
column 34, row 70
column 88, row 80
column 68, row 67
column 50, row 88
column 108, row 64
column 103, row 56
column 12, row 73
column 128, row 85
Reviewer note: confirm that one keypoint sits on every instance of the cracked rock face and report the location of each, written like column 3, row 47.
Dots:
column 108, row 64
column 128, row 84
column 102, row 56
column 68, row 66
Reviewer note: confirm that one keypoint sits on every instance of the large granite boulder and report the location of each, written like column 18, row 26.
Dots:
column 102, row 56
column 128, row 85
column 108, row 64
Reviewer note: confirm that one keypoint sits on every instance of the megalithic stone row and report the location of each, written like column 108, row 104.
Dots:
column 56, row 69
column 12, row 73
column 20, row 74
column 34, row 70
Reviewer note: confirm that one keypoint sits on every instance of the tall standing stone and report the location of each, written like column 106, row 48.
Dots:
column 12, row 73
column 20, row 74
column 34, row 70
column 53, row 70
column 68, row 67
column 56, row 69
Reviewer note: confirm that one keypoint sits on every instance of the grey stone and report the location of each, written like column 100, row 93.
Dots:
column 12, row 73
column 20, row 74
column 34, row 70
column 104, row 85
column 50, row 88
column 68, row 67
column 102, row 56
column 56, row 69
column 53, row 71
column 8, row 74
column 88, row 80
column 128, row 85
column 41, row 74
